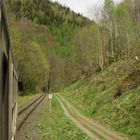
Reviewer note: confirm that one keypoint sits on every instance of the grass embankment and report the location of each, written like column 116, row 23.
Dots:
column 57, row 126
column 26, row 99
column 113, row 98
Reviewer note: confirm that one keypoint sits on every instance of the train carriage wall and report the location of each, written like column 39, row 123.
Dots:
column 8, row 82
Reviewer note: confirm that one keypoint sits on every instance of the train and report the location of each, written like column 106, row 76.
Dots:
column 8, row 82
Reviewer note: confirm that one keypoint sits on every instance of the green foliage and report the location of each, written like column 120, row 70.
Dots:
column 64, row 50
column 42, row 58
column 32, row 64
column 63, row 40
column 109, row 7
column 97, row 96
column 48, row 13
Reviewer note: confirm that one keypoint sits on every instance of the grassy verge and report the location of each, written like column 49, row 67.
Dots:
column 58, row 127
column 26, row 99
column 112, row 98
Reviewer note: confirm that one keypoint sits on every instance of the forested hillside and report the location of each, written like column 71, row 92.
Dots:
column 72, row 53
column 42, row 42
column 47, row 13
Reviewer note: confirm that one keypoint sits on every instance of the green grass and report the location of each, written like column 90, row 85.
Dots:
column 26, row 99
column 58, row 127
column 97, row 97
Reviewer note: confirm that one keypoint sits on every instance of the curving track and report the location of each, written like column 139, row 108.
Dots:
column 27, row 111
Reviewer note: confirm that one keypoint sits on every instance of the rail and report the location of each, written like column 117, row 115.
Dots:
column 27, row 111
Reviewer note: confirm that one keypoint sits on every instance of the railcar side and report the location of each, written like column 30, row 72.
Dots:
column 8, row 82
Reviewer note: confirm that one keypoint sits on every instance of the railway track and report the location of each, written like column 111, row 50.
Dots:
column 27, row 111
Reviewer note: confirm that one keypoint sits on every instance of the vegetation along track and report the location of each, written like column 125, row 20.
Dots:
column 27, row 111
column 93, row 129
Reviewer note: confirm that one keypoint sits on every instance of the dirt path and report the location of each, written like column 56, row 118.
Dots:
column 93, row 129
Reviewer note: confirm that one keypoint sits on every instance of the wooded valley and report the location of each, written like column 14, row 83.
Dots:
column 97, row 62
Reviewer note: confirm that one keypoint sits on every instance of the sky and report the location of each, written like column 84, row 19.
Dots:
column 87, row 8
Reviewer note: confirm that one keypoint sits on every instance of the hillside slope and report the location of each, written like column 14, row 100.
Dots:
column 113, row 98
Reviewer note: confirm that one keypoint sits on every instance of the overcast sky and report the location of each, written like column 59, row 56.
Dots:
column 85, row 7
